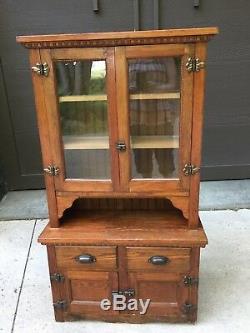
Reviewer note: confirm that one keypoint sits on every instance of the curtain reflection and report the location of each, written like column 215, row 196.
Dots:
column 73, row 77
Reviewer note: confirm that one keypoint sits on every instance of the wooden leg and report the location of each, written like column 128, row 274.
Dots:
column 193, row 294
column 56, row 287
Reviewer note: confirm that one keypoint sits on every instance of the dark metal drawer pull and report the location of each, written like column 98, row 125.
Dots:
column 85, row 259
column 158, row 260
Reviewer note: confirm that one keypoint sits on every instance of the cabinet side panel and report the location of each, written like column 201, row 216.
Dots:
column 55, row 286
column 199, row 88
column 44, row 136
column 193, row 293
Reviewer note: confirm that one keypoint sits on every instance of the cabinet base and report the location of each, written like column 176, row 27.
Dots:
column 94, row 258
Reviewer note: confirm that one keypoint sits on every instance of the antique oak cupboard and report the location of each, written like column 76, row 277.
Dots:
column 120, row 123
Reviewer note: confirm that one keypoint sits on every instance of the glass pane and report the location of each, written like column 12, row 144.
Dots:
column 154, row 108
column 81, row 87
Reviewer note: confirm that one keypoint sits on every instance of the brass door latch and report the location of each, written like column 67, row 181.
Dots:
column 190, row 169
column 194, row 65
column 51, row 170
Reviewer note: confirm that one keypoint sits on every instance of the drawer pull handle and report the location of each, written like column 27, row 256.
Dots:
column 85, row 259
column 158, row 260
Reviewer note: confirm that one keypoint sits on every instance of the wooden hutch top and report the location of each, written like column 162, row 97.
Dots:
column 188, row 35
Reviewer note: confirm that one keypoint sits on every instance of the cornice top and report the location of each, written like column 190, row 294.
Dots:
column 124, row 38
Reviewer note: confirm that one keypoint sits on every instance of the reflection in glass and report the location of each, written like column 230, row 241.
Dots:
column 154, row 87
column 81, row 88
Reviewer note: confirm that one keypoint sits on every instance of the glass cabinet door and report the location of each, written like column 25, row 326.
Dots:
column 154, row 109
column 120, row 118
column 82, row 90
column 159, row 116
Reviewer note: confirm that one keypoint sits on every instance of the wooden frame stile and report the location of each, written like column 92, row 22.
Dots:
column 193, row 289
column 123, row 282
column 113, row 121
column 197, row 123
column 73, row 185
column 122, row 107
column 43, row 125
column 57, row 290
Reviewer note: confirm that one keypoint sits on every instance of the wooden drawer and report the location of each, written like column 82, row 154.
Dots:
column 159, row 259
column 86, row 257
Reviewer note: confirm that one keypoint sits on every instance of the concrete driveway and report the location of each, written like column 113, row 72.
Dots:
column 224, row 293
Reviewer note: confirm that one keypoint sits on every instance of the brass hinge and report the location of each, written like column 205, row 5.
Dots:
column 190, row 169
column 190, row 281
column 188, row 308
column 127, row 292
column 51, row 170
column 60, row 305
column 57, row 277
column 194, row 65
column 41, row 69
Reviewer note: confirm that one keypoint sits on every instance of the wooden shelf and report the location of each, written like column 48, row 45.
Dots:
column 83, row 98
column 96, row 98
column 137, row 142
column 155, row 142
column 84, row 142
column 167, row 228
column 169, row 95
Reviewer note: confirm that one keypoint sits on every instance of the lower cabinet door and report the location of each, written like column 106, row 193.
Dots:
column 86, row 290
column 166, row 292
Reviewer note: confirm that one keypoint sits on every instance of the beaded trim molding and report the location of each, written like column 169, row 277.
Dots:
column 116, row 42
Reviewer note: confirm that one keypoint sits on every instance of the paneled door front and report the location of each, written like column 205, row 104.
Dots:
column 154, row 106
column 79, row 94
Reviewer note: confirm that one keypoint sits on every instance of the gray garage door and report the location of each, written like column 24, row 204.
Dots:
column 227, row 108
